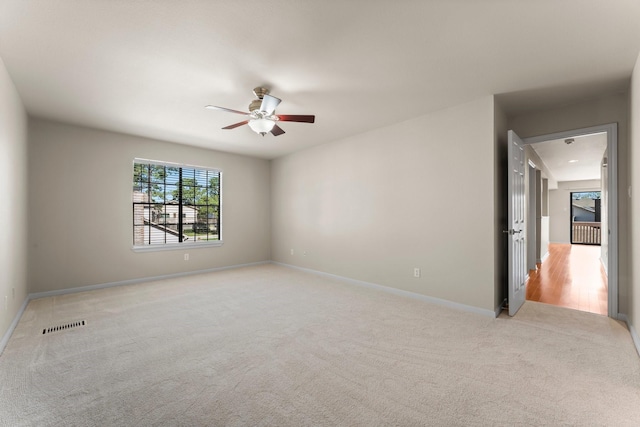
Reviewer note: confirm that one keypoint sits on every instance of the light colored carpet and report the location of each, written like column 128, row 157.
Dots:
column 268, row 345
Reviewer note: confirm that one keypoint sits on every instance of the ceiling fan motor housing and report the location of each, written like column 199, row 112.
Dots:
column 259, row 92
column 255, row 105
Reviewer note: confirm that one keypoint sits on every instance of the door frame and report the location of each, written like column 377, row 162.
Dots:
column 611, row 129
column 532, row 225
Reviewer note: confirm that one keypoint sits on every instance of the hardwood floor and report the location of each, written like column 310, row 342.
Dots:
column 571, row 276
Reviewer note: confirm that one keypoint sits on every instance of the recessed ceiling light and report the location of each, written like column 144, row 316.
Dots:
column 573, row 161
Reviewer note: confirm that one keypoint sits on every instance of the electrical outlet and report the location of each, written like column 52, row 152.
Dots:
column 291, row 251
column 186, row 257
column 416, row 272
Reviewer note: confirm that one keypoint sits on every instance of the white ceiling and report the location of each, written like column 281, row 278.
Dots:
column 149, row 67
column 577, row 161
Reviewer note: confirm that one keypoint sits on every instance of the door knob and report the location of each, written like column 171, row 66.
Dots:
column 511, row 231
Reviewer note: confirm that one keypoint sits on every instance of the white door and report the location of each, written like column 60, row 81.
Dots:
column 516, row 232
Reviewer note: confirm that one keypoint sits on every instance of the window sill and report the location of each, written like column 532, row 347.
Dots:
column 175, row 247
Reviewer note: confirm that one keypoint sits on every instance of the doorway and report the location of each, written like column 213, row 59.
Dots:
column 607, row 256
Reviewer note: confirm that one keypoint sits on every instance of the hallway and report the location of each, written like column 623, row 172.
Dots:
column 572, row 276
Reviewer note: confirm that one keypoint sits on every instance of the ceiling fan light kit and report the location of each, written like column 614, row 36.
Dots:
column 261, row 126
column 261, row 117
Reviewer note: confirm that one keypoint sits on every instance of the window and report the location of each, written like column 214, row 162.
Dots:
column 175, row 205
column 585, row 217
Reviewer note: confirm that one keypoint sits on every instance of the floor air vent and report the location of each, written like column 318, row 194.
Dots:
column 63, row 327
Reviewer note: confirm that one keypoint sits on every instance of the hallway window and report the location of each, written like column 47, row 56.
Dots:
column 585, row 217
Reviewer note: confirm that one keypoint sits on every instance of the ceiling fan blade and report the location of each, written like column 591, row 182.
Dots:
column 213, row 107
column 294, row 118
column 235, row 125
column 277, row 130
column 269, row 104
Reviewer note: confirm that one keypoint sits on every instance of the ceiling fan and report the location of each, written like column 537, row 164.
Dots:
column 261, row 117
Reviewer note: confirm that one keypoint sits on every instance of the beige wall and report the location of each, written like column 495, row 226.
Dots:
column 560, row 208
column 80, row 213
column 544, row 181
column 611, row 109
column 634, row 290
column 374, row 206
column 13, row 208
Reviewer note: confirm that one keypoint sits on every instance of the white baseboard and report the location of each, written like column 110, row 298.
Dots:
column 12, row 327
column 134, row 281
column 632, row 331
column 544, row 257
column 395, row 291
column 433, row 300
column 605, row 266
column 7, row 335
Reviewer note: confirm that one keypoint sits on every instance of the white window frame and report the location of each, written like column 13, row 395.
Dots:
column 187, row 244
